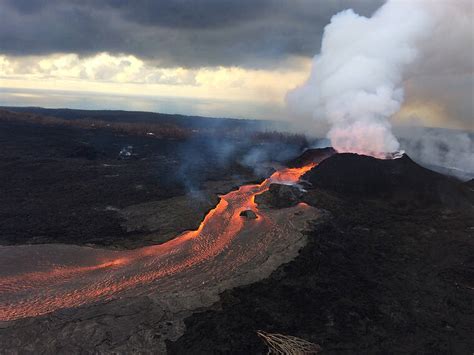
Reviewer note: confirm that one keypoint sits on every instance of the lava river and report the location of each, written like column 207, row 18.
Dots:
column 38, row 279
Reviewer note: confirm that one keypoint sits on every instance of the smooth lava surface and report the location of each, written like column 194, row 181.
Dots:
column 39, row 279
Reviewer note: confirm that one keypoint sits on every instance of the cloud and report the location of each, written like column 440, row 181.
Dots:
column 130, row 75
column 173, row 33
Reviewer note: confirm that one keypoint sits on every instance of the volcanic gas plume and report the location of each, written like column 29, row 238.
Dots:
column 357, row 80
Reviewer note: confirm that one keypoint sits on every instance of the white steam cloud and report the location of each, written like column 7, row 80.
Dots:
column 356, row 83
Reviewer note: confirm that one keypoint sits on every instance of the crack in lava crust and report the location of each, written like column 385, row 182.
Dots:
column 38, row 279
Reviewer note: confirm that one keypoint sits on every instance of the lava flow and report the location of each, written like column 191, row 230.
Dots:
column 38, row 279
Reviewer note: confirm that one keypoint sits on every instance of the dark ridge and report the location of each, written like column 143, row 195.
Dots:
column 398, row 179
column 374, row 278
column 470, row 183
column 143, row 117
column 311, row 156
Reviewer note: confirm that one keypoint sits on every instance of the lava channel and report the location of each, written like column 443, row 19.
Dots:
column 39, row 279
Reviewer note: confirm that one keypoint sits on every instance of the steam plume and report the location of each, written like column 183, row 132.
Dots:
column 356, row 80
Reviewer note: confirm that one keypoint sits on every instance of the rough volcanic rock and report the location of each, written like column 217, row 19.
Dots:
column 374, row 280
column 279, row 196
column 84, row 151
column 248, row 214
column 470, row 184
column 397, row 179
column 142, row 318
column 160, row 221
column 64, row 184
column 316, row 155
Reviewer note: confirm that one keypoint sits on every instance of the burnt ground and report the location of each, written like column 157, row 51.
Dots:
column 391, row 272
column 62, row 184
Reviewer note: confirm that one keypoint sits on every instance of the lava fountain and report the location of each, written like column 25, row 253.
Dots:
column 39, row 279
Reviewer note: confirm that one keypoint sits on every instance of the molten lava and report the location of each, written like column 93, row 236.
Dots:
column 38, row 279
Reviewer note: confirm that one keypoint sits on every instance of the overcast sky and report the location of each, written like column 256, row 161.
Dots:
column 223, row 55
column 191, row 34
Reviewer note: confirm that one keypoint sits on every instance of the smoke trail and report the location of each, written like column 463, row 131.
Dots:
column 356, row 80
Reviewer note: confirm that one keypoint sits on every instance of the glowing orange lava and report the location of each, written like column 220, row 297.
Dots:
column 38, row 279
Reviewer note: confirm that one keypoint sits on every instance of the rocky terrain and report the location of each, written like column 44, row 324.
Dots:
column 400, row 180
column 62, row 184
column 385, row 267
column 141, row 318
column 391, row 271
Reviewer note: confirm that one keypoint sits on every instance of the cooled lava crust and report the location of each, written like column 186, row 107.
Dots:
column 398, row 179
column 391, row 271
